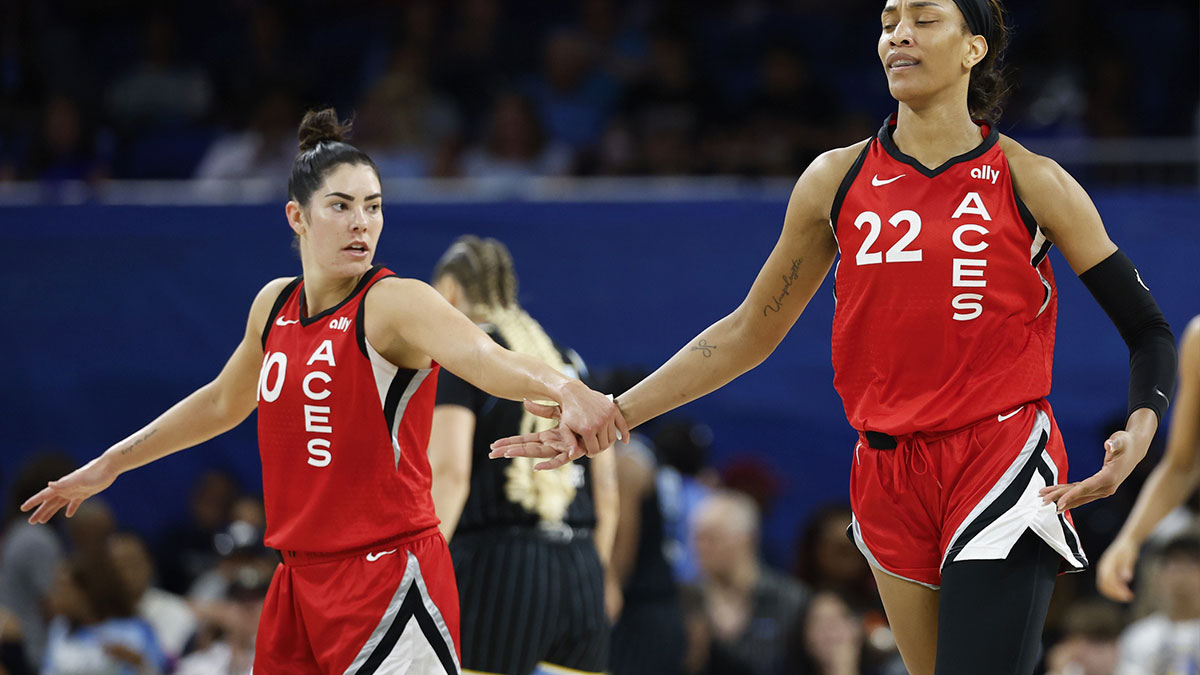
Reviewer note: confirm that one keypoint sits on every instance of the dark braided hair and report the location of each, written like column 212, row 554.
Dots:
column 322, row 149
column 989, row 82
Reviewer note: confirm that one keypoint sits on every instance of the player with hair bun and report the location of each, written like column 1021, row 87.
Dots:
column 943, row 339
column 341, row 364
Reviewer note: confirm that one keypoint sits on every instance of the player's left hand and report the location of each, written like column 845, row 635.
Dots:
column 558, row 446
column 1122, row 451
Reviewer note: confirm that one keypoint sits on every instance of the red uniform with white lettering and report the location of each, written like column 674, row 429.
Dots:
column 342, row 432
column 343, row 436
column 944, row 325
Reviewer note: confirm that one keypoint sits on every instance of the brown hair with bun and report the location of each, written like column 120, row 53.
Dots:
column 323, row 148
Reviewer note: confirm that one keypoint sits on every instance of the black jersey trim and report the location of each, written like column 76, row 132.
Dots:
column 889, row 146
column 395, row 392
column 360, row 318
column 413, row 607
column 1003, row 503
column 275, row 308
column 362, row 283
column 1031, row 224
column 847, row 181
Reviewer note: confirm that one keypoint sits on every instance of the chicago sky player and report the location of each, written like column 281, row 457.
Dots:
column 342, row 364
column 942, row 345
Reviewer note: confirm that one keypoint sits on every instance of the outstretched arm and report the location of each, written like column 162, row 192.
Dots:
column 211, row 410
column 1070, row 220
column 1169, row 484
column 409, row 319
column 746, row 336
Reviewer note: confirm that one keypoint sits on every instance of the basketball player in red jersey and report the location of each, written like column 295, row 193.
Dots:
column 342, row 365
column 1169, row 484
column 942, row 346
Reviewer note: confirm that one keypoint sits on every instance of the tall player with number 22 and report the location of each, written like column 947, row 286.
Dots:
column 341, row 364
column 943, row 339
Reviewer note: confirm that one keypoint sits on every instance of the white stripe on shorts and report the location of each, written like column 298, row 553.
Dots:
column 412, row 652
column 996, row 539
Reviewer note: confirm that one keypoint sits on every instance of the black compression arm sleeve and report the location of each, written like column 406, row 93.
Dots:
column 1119, row 289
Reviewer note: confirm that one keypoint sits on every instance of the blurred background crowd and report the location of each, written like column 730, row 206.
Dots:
column 152, row 90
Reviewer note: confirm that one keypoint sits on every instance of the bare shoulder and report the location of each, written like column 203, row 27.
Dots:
column 398, row 291
column 818, row 185
column 265, row 300
column 1040, row 181
column 393, row 301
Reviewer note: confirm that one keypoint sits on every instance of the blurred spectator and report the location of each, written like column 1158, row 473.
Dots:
column 30, row 554
column 186, row 549
column 405, row 125
column 89, row 529
column 12, row 645
column 470, row 61
column 831, row 639
column 827, row 560
column 240, row 547
column 1089, row 642
column 573, row 98
column 666, row 108
column 684, row 480
column 65, row 148
column 159, row 88
column 94, row 629
column 237, row 620
column 1168, row 641
column 265, row 150
column 168, row 614
column 753, row 611
column 515, row 145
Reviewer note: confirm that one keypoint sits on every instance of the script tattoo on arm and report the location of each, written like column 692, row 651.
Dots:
column 776, row 303
column 138, row 442
column 704, row 347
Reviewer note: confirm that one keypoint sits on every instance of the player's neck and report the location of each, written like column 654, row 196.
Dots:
column 321, row 292
column 935, row 133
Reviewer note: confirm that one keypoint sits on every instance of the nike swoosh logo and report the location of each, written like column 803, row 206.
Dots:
column 1159, row 392
column 1001, row 418
column 283, row 322
column 372, row 557
column 1139, row 278
column 876, row 182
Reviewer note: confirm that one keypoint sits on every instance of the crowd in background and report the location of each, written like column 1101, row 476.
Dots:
column 139, row 89
column 86, row 596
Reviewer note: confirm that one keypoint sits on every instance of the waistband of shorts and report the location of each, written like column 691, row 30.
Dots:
column 878, row 440
column 298, row 558
column 555, row 533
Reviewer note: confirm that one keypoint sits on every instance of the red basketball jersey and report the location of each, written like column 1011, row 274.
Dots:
column 945, row 299
column 342, row 432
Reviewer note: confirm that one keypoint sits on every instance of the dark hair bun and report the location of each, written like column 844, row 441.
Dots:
column 322, row 126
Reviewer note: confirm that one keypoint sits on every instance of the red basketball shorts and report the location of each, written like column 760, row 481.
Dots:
column 932, row 499
column 392, row 608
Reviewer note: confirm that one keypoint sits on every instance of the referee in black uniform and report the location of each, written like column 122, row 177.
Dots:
column 529, row 547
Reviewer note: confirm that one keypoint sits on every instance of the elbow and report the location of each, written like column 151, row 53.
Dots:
column 759, row 340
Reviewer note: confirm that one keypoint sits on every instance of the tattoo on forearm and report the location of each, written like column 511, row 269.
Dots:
column 703, row 347
column 776, row 303
column 138, row 442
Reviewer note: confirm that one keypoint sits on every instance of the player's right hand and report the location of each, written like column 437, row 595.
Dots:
column 70, row 491
column 1115, row 571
